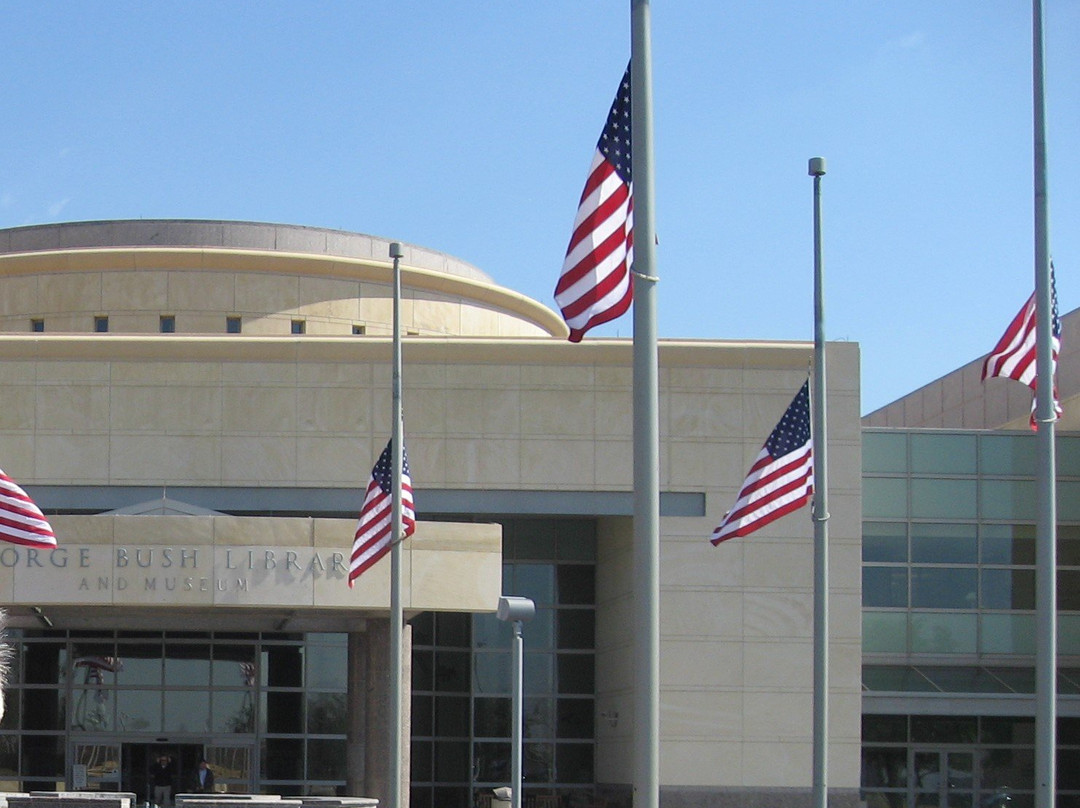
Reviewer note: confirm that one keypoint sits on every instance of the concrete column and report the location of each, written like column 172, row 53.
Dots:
column 356, row 717
column 377, row 730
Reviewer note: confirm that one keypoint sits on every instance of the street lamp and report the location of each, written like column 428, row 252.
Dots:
column 517, row 611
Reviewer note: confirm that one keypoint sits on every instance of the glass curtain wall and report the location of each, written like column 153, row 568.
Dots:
column 948, row 609
column 461, row 707
column 278, row 699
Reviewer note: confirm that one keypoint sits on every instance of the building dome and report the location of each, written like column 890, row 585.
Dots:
column 207, row 277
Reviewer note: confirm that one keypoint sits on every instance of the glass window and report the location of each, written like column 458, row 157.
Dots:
column 167, row 324
column 576, row 628
column 538, row 673
column 187, row 710
column 43, row 663
column 530, row 539
column 326, row 713
column 1068, row 590
column 327, row 666
column 538, row 717
column 575, row 718
column 101, row 324
column 1007, row 544
column 884, row 452
column 884, row 728
column 944, row 588
column 492, row 674
column 298, row 327
column 1007, row 589
column 359, row 330
column 885, row 587
column 1068, row 455
column 1068, row 634
column 884, row 632
column 895, row 679
column 491, row 632
column 422, row 715
column 885, row 541
column 452, row 716
column 941, row 453
column 139, row 710
column 576, row 673
column 452, row 760
column 43, row 709
column 452, row 629
column 577, row 540
column 452, row 671
column 884, row 498
column 233, row 711
column 140, row 665
column 283, row 711
column 282, row 665
column 187, row 666
column 37, row 325
column 1007, row 634
column 943, row 544
column 326, row 759
column 574, row 762
column 1068, row 500
column 936, row 499
column 233, row 325
column 283, row 759
column 884, row 768
column 491, row 717
column 943, row 633
column 1008, row 455
column 577, row 584
column 940, row 729
column 1008, row 499
column 536, row 581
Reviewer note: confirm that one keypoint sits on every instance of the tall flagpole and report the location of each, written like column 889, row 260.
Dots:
column 1046, row 475
column 646, row 423
column 396, row 628
column 820, row 513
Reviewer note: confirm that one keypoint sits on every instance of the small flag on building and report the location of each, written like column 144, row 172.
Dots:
column 782, row 477
column 21, row 521
column 1014, row 355
column 373, row 537
column 595, row 284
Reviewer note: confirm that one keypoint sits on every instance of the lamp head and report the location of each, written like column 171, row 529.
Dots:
column 515, row 610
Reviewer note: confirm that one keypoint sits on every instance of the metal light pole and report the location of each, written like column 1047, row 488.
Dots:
column 517, row 611
column 820, row 513
column 397, row 441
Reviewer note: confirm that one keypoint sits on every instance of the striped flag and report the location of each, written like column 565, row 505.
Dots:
column 782, row 477
column 595, row 285
column 21, row 521
column 1014, row 355
column 373, row 540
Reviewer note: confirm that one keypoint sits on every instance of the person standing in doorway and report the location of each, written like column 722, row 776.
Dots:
column 161, row 778
column 202, row 782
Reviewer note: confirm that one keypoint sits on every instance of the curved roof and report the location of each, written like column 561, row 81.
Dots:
column 196, row 233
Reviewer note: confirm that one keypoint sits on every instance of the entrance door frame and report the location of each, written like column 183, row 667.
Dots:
column 950, row 789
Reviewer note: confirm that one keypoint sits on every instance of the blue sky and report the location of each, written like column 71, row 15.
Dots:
column 468, row 127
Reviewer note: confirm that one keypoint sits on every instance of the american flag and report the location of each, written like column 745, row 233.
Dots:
column 21, row 521
column 373, row 540
column 782, row 477
column 595, row 286
column 1014, row 355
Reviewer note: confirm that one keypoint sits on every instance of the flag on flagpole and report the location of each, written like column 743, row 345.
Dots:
column 595, row 285
column 21, row 521
column 1014, row 355
column 782, row 477
column 373, row 540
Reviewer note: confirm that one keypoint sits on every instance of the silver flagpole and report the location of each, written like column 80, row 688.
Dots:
column 1046, row 475
column 646, row 423
column 820, row 513
column 396, row 628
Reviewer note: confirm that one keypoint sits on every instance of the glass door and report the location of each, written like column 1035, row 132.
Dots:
column 233, row 766
column 942, row 779
column 95, row 766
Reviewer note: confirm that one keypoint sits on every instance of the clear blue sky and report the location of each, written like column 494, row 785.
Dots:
column 468, row 127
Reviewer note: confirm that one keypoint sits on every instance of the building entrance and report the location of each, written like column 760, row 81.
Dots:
column 149, row 768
